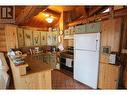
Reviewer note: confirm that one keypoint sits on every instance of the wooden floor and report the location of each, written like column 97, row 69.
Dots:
column 64, row 81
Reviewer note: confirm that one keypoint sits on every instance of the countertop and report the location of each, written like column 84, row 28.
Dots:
column 35, row 65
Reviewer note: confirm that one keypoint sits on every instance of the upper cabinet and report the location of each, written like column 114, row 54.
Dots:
column 93, row 27
column 55, row 38
column 86, row 28
column 2, row 40
column 110, row 35
column 20, row 34
column 28, row 37
column 49, row 38
column 80, row 29
column 43, row 38
column 52, row 38
column 36, row 38
column 69, row 33
column 11, row 36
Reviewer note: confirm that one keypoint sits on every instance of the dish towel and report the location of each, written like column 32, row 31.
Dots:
column 68, row 62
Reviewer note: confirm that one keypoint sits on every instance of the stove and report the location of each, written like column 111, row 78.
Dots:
column 69, row 53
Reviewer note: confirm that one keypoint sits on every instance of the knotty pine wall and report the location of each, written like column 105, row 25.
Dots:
column 2, row 39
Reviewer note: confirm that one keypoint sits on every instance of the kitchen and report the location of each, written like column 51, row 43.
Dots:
column 64, row 47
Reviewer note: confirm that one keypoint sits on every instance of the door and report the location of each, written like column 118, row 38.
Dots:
column 49, row 38
column 36, row 38
column 93, row 27
column 11, row 36
column 86, row 67
column 20, row 37
column 54, row 38
column 43, row 38
column 28, row 37
column 108, row 76
column 88, row 42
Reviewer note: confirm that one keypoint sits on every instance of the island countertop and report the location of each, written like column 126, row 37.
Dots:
column 36, row 66
column 38, row 75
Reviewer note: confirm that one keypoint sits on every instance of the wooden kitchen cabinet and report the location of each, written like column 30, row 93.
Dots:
column 36, row 38
column 93, row 27
column 53, row 61
column 20, row 34
column 43, row 38
column 108, row 76
column 28, row 37
column 55, row 38
column 11, row 36
column 110, row 33
column 49, row 38
column 2, row 40
column 80, row 29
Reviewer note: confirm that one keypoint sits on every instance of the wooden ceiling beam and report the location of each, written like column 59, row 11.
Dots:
column 85, row 14
column 117, row 13
column 51, row 12
column 28, row 12
column 95, row 10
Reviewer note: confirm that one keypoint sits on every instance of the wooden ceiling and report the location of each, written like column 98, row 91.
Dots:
column 34, row 16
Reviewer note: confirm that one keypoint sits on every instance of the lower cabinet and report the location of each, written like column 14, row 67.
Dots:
column 108, row 76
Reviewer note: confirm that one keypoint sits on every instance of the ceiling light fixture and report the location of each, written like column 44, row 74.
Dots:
column 49, row 19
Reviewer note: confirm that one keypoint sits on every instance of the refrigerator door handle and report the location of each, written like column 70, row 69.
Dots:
column 97, row 45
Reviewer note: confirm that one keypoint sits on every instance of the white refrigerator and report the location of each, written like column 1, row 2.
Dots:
column 86, row 58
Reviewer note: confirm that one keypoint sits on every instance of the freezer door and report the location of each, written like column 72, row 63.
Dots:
column 86, row 67
column 88, row 42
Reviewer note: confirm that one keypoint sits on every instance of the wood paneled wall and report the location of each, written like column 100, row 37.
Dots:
column 110, row 34
column 124, row 54
column 2, row 39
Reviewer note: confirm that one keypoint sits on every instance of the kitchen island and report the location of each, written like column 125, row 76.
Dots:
column 33, row 74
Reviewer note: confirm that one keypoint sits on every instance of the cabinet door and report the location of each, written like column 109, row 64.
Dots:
column 53, row 61
column 43, row 38
column 93, row 27
column 54, row 38
column 80, row 29
column 110, row 35
column 108, row 76
column 28, row 37
column 11, row 36
column 49, row 38
column 36, row 38
column 2, row 40
column 20, row 34
column 46, row 58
